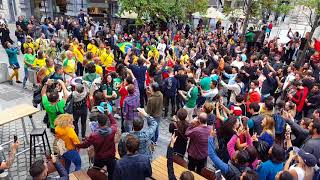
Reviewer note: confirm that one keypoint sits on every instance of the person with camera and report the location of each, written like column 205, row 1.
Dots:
column 8, row 163
column 144, row 135
column 12, row 53
column 39, row 169
column 51, row 101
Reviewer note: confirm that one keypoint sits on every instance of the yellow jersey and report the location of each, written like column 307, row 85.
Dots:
column 92, row 48
column 99, row 69
column 101, row 51
column 184, row 59
column 79, row 53
column 29, row 45
column 50, row 70
column 39, row 62
column 107, row 59
column 69, row 65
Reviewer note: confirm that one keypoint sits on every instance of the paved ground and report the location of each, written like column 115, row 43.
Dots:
column 13, row 95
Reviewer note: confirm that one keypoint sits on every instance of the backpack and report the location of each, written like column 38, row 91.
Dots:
column 279, row 123
column 59, row 146
column 242, row 90
column 69, row 105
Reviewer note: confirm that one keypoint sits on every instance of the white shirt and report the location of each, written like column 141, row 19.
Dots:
column 161, row 48
column 300, row 172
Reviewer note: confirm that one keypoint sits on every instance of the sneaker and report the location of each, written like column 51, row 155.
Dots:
column 24, row 87
column 19, row 82
column 10, row 82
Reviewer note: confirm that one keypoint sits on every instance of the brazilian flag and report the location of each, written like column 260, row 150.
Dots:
column 125, row 46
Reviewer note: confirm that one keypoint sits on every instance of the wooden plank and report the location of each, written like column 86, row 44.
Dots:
column 157, row 173
column 16, row 112
column 81, row 175
column 72, row 177
column 160, row 164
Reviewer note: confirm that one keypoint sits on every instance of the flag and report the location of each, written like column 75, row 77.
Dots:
column 125, row 46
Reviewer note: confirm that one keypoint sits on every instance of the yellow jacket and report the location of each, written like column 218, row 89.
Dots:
column 101, row 51
column 68, row 135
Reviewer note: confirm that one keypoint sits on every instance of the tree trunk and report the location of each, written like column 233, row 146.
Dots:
column 302, row 57
column 245, row 23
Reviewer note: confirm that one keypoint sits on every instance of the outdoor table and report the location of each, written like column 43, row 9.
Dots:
column 160, row 171
column 18, row 112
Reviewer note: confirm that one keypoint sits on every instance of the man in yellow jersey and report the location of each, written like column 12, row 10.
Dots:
column 99, row 69
column 184, row 57
column 79, row 53
column 107, row 57
column 69, row 66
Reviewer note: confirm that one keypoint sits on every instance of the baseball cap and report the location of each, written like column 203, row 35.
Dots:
column 309, row 159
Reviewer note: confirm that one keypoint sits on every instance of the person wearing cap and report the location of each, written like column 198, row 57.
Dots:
column 303, row 169
column 29, row 44
column 267, row 170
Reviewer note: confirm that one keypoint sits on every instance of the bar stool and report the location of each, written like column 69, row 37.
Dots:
column 37, row 132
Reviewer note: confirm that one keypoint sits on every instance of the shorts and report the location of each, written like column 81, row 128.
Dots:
column 15, row 66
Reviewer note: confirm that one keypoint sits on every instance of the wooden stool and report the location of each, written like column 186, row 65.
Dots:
column 37, row 132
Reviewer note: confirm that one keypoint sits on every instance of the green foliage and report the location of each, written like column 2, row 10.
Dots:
column 311, row 4
column 164, row 9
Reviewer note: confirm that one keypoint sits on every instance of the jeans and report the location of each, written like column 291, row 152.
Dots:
column 128, row 124
column 26, row 76
column 166, row 101
column 156, row 133
column 74, row 157
column 80, row 114
column 143, row 96
column 80, row 69
column 196, row 165
column 109, row 162
column 200, row 101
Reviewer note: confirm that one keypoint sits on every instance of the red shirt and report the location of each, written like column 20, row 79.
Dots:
column 300, row 97
column 270, row 26
column 123, row 93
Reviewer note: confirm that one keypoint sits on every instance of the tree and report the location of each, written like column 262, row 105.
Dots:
column 313, row 7
column 163, row 9
column 255, row 8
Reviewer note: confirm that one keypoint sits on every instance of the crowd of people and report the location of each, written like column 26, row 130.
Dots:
column 240, row 100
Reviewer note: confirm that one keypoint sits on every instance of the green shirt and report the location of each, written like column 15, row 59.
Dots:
column 205, row 83
column 116, row 83
column 52, row 110
column 29, row 59
column 107, row 88
column 90, row 77
column 192, row 97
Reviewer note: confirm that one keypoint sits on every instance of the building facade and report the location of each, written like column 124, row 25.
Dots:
column 10, row 9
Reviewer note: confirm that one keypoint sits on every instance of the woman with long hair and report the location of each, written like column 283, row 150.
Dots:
column 64, row 130
column 179, row 127
column 227, row 130
column 268, row 132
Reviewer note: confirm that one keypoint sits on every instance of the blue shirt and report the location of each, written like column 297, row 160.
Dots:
column 268, row 170
column 140, row 73
column 136, row 166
